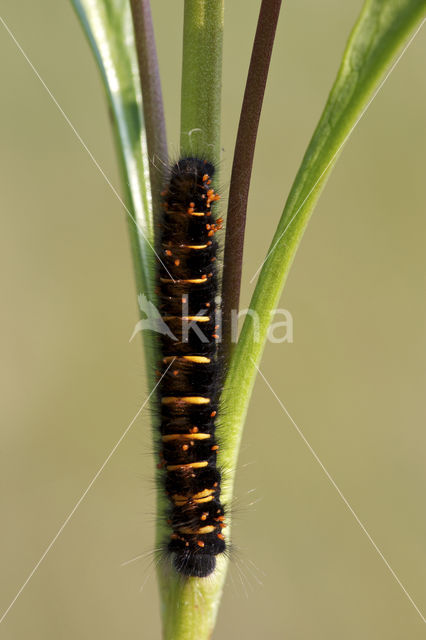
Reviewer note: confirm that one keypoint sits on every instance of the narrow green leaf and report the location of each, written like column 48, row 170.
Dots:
column 109, row 30
column 379, row 33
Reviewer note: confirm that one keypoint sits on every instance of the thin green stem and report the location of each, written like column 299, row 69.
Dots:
column 189, row 606
column 202, row 78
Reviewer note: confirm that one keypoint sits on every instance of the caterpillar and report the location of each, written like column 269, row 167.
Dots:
column 189, row 369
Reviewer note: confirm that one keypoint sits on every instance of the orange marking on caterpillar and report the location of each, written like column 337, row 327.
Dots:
column 188, row 318
column 185, row 399
column 187, row 530
column 190, row 281
column 202, row 494
column 198, row 359
column 185, row 436
column 203, row 500
column 190, row 465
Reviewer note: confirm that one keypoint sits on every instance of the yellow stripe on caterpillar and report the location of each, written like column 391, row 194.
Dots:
column 189, row 281
column 186, row 399
column 207, row 529
column 196, row 359
column 190, row 318
column 185, row 436
column 190, row 465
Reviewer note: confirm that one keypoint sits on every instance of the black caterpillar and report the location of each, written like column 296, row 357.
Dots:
column 189, row 368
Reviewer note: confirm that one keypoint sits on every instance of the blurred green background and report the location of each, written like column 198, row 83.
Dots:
column 353, row 379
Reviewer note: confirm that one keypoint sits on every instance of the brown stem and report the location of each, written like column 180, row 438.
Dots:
column 152, row 98
column 243, row 163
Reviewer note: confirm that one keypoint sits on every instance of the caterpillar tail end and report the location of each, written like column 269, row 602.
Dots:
column 194, row 565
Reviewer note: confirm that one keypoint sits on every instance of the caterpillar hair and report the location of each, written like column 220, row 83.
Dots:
column 189, row 369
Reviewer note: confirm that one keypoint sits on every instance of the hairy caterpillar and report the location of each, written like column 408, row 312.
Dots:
column 190, row 370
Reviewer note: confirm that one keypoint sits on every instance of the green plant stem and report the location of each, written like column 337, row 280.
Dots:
column 202, row 78
column 243, row 163
column 189, row 606
column 380, row 31
column 152, row 98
